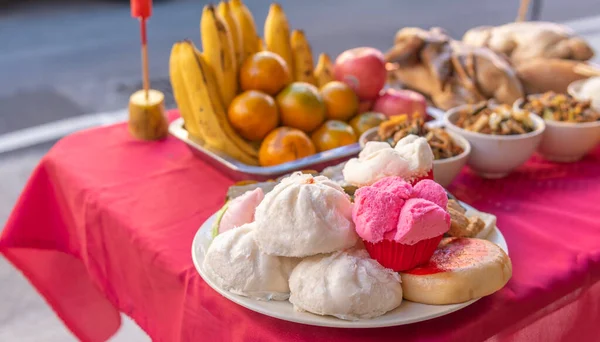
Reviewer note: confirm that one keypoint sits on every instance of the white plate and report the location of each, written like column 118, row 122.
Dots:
column 408, row 312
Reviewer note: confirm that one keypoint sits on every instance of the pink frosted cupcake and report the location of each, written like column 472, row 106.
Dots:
column 400, row 224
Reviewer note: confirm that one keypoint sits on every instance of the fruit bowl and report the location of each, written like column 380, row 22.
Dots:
column 238, row 171
column 444, row 170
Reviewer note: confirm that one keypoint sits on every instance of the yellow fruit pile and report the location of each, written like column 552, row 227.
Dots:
column 235, row 94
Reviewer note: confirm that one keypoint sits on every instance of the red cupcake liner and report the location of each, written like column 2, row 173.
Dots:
column 401, row 257
column 429, row 175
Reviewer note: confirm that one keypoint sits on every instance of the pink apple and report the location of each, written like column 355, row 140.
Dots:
column 363, row 69
column 400, row 101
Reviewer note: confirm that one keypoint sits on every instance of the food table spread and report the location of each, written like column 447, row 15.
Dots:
column 106, row 222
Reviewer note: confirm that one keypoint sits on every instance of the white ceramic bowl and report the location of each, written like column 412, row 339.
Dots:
column 567, row 142
column 495, row 156
column 444, row 170
column 574, row 89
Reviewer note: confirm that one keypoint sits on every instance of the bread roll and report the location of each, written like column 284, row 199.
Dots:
column 461, row 269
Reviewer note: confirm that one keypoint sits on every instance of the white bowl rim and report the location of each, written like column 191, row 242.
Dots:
column 574, row 87
column 540, row 127
column 555, row 123
column 465, row 144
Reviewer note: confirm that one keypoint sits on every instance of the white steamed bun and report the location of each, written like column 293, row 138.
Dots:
column 348, row 285
column 305, row 215
column 236, row 264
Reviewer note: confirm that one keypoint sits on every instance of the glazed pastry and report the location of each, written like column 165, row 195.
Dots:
column 236, row 264
column 303, row 216
column 411, row 159
column 461, row 269
column 348, row 285
column 401, row 225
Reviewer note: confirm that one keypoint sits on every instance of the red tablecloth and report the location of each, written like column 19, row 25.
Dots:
column 105, row 224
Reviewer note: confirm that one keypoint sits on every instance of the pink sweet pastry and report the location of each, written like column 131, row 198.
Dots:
column 401, row 225
column 241, row 210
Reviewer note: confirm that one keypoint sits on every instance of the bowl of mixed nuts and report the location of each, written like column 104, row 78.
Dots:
column 450, row 150
column 502, row 138
column 572, row 125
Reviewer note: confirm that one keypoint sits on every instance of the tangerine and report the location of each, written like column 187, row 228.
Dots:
column 253, row 114
column 284, row 144
column 265, row 71
column 301, row 106
column 341, row 101
column 363, row 122
column 333, row 134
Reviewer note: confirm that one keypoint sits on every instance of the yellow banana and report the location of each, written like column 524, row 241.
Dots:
column 303, row 59
column 207, row 108
column 224, row 11
column 181, row 97
column 261, row 45
column 218, row 48
column 277, row 35
column 324, row 70
column 221, row 110
column 245, row 22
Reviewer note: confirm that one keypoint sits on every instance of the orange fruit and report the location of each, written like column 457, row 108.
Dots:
column 340, row 99
column 301, row 106
column 333, row 134
column 265, row 71
column 284, row 144
column 253, row 114
column 363, row 122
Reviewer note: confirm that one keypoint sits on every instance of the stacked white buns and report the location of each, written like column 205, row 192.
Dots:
column 304, row 217
column 236, row 264
column 348, row 285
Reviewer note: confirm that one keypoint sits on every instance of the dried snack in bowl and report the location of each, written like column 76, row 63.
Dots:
column 495, row 120
column 441, row 143
column 561, row 107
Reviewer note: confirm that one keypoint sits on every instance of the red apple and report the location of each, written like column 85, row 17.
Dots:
column 400, row 101
column 363, row 69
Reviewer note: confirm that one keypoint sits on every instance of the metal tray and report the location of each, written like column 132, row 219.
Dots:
column 239, row 171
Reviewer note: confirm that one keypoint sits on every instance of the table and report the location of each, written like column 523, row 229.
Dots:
column 105, row 224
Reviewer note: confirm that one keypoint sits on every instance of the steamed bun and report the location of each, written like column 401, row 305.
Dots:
column 348, row 285
column 303, row 216
column 236, row 264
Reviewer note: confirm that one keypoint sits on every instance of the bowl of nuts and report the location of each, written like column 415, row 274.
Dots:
column 502, row 138
column 572, row 125
column 450, row 150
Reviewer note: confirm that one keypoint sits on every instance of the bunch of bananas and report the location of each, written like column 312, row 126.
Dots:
column 205, row 83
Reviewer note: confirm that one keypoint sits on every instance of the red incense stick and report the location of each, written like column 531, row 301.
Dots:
column 142, row 9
